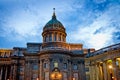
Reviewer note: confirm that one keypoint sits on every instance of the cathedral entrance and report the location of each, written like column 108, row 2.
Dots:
column 56, row 75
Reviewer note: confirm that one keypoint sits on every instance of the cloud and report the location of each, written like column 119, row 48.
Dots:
column 100, row 32
column 92, row 23
column 24, row 20
column 21, row 23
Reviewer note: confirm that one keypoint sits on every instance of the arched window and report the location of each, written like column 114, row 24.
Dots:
column 45, row 38
column 55, row 37
column 50, row 37
column 65, row 66
column 45, row 65
column 75, row 67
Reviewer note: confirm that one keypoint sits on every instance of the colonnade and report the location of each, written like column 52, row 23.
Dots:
column 105, row 70
column 53, row 37
column 5, row 72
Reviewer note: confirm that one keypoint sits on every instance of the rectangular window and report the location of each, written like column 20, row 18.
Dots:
column 45, row 65
column 75, row 67
column 65, row 65
column 21, row 68
column 35, row 67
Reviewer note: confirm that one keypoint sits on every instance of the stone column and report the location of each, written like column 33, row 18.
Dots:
column 14, row 72
column 105, row 70
column 1, row 71
column 101, row 71
column 30, row 69
column 49, row 67
column 91, row 71
column 114, row 69
column 83, row 77
column 5, row 72
column 11, row 72
column 27, row 70
column 41, row 69
column 96, row 73
column 52, row 36
column 70, row 70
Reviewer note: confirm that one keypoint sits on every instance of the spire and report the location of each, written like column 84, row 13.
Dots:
column 54, row 16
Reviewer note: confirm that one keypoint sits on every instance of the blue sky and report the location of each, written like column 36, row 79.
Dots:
column 94, row 23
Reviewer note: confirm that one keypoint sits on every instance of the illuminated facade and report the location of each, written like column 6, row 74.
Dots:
column 104, row 64
column 55, row 59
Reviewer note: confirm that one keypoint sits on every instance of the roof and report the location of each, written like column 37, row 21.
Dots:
column 54, row 23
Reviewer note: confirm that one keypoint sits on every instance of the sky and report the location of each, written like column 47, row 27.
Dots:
column 93, row 23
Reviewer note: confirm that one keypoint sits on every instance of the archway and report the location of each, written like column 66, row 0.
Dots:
column 56, row 74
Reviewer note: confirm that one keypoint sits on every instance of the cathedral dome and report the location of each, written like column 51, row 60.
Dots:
column 54, row 31
column 54, row 24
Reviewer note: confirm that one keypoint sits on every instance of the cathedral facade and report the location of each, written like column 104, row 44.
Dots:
column 55, row 59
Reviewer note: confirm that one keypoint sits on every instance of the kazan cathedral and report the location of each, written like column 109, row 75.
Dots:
column 55, row 59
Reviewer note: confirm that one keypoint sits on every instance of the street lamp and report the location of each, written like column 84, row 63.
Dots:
column 110, row 67
column 56, row 74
